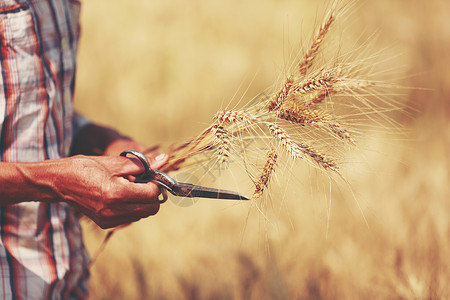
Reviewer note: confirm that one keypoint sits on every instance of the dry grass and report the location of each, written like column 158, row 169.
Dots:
column 312, row 240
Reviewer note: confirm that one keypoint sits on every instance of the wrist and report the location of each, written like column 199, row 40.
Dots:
column 35, row 181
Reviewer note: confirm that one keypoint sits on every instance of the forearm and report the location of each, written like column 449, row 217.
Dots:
column 93, row 139
column 24, row 182
column 101, row 187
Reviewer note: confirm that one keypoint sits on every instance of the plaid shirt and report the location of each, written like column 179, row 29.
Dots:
column 41, row 249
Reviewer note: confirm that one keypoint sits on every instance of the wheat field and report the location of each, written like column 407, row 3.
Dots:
column 159, row 72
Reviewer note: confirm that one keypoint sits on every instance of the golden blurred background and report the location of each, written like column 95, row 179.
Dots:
column 159, row 70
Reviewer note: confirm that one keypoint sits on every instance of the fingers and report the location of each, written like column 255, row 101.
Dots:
column 127, row 202
column 106, row 223
column 130, row 192
column 132, row 213
column 114, row 217
column 155, row 163
column 126, row 165
column 122, row 213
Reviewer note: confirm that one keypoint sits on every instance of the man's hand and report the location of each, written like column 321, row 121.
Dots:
column 102, row 188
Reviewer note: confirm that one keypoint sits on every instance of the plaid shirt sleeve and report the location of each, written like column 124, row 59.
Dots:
column 42, row 255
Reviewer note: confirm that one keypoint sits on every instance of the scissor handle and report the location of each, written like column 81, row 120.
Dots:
column 149, row 174
column 140, row 156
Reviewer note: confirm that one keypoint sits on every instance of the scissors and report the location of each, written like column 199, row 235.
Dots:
column 178, row 188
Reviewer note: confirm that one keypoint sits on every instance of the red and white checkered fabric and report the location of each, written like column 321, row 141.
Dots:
column 42, row 254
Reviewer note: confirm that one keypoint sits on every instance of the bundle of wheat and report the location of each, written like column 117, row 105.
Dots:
column 299, row 117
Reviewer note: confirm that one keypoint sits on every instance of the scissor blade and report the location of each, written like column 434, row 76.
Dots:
column 190, row 190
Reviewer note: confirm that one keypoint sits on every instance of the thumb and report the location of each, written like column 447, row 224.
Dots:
column 159, row 161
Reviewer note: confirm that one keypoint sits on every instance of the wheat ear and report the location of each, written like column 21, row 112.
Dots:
column 311, row 54
column 232, row 116
column 266, row 173
column 282, row 95
column 304, row 115
column 323, row 80
column 300, row 150
column 222, row 140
